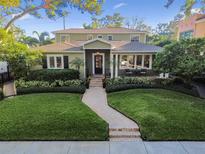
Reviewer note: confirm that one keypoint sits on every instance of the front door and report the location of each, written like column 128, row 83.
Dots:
column 98, row 61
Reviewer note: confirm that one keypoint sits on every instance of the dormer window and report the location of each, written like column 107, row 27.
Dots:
column 89, row 37
column 64, row 38
column 100, row 36
column 110, row 37
column 135, row 38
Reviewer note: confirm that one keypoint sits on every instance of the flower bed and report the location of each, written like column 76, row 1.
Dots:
column 119, row 84
column 75, row 86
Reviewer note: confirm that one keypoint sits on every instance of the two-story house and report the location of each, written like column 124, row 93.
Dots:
column 104, row 51
column 191, row 27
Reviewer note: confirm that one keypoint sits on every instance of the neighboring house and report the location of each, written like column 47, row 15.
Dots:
column 192, row 27
column 106, row 51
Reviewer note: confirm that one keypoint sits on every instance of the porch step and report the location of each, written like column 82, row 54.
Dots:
column 124, row 134
column 96, row 81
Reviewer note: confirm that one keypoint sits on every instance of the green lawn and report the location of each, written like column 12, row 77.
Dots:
column 56, row 116
column 162, row 114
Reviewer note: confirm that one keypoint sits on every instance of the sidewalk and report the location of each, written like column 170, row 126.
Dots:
column 137, row 147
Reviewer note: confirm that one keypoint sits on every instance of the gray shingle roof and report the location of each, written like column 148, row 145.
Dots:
column 136, row 47
column 99, row 31
column 118, row 46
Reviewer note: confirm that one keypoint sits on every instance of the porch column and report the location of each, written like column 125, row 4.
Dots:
column 116, row 65
column 150, row 62
column 84, row 65
column 111, row 65
column 142, row 61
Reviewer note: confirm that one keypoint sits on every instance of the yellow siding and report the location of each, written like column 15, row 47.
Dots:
column 71, row 56
column 116, row 37
column 97, row 45
column 200, row 30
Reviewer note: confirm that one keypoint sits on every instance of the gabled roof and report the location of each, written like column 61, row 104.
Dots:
column 99, row 31
column 97, row 40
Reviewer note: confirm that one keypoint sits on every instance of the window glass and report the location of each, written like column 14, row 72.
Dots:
column 186, row 35
column 110, row 38
column 139, row 61
column 135, row 38
column 100, row 36
column 90, row 37
column 59, row 62
column 146, row 61
column 64, row 38
column 127, row 61
column 52, row 62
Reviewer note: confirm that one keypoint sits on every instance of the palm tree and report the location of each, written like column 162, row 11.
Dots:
column 44, row 37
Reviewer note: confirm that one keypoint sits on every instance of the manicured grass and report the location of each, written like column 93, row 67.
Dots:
column 162, row 114
column 56, row 116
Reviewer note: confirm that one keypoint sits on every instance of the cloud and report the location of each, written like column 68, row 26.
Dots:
column 119, row 5
column 25, row 17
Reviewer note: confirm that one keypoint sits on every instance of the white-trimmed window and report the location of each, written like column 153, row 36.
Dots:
column 147, row 61
column 64, row 38
column 100, row 36
column 139, row 61
column 55, row 62
column 110, row 37
column 127, row 61
column 89, row 37
column 135, row 38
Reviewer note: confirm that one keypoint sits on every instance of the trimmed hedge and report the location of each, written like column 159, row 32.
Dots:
column 79, row 89
column 58, row 83
column 52, row 75
column 1, row 94
column 119, row 84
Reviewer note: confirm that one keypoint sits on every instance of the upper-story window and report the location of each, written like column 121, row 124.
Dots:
column 186, row 34
column 135, row 38
column 64, row 38
column 110, row 37
column 100, row 36
column 89, row 37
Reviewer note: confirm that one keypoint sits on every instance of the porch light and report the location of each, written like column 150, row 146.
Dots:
column 98, row 53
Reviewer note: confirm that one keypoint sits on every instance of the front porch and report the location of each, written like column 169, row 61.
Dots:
column 104, row 62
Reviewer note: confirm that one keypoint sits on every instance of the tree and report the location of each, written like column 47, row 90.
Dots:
column 138, row 24
column 77, row 63
column 43, row 38
column 19, row 57
column 115, row 20
column 187, row 7
column 52, row 8
column 183, row 58
column 31, row 41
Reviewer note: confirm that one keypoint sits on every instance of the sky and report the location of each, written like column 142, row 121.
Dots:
column 152, row 11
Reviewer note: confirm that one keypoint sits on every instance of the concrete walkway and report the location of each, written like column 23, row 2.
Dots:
column 201, row 89
column 137, row 147
column 9, row 89
column 121, row 128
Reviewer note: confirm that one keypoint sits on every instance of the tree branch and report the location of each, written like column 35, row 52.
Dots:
column 24, row 13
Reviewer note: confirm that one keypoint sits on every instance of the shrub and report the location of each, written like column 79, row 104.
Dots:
column 79, row 89
column 175, row 84
column 1, row 94
column 52, row 75
column 58, row 83
column 127, row 80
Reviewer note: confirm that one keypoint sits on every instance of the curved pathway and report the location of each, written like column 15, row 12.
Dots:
column 121, row 128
